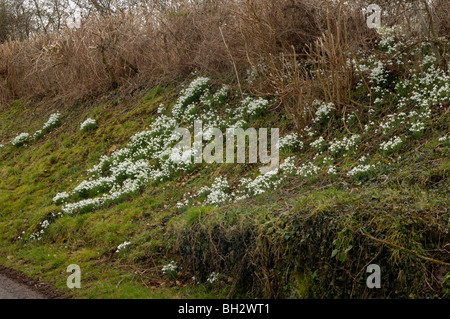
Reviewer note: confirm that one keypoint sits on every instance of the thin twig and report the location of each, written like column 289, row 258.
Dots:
column 232, row 61
column 439, row 262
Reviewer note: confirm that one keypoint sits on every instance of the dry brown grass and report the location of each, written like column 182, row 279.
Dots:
column 216, row 38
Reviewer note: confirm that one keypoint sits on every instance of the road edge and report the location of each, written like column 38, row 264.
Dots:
column 46, row 289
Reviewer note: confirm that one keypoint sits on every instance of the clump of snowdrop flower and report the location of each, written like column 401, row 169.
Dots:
column 213, row 277
column 308, row 170
column 430, row 88
column 392, row 145
column 94, row 186
column 161, row 109
column 361, row 171
column 216, row 193
column 253, row 107
column 378, row 78
column 53, row 121
column 392, row 121
column 324, row 111
column 345, row 145
column 318, row 144
column 151, row 155
column 126, row 171
column 220, row 96
column 332, row 170
column 45, row 224
column 417, row 129
column 288, row 166
column 182, row 204
column 170, row 270
column 21, row 139
column 260, row 184
column 83, row 206
column 38, row 235
column 61, row 198
column 389, row 41
column 350, row 120
column 363, row 159
column 445, row 140
column 123, row 246
column 189, row 95
column 169, row 267
column 325, row 160
column 88, row 125
column 290, row 142
column 309, row 131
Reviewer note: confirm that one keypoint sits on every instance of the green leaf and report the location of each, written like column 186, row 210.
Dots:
column 334, row 253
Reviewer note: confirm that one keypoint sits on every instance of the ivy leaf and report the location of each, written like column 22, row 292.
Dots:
column 334, row 253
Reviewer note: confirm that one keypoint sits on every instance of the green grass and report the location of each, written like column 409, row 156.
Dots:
column 405, row 200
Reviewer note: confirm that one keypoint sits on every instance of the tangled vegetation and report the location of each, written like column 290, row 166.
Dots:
column 363, row 176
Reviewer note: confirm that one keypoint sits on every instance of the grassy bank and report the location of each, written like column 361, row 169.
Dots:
column 364, row 179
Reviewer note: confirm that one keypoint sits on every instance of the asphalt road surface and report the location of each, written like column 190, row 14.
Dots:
column 10, row 289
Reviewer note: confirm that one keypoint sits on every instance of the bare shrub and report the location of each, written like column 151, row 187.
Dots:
column 274, row 39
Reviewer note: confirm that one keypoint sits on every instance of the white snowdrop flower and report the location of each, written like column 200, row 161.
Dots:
column 89, row 124
column 90, row 203
column 122, row 246
column 252, row 107
column 389, row 41
column 288, row 165
column 417, row 127
column 378, row 76
column 309, row 131
column 377, row 100
column 361, row 170
column 45, row 224
column 393, row 120
column 351, row 62
column 195, row 88
column 259, row 184
column 332, row 170
column 391, row 145
column 351, row 117
column 53, row 120
column 221, row 94
column 21, row 139
column 290, row 141
column 428, row 59
column 318, row 144
column 161, row 109
column 38, row 133
column 152, row 155
column 323, row 111
column 346, row 144
column 170, row 267
column 61, row 198
column 213, row 277
column 182, row 204
column 217, row 192
column 308, row 170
